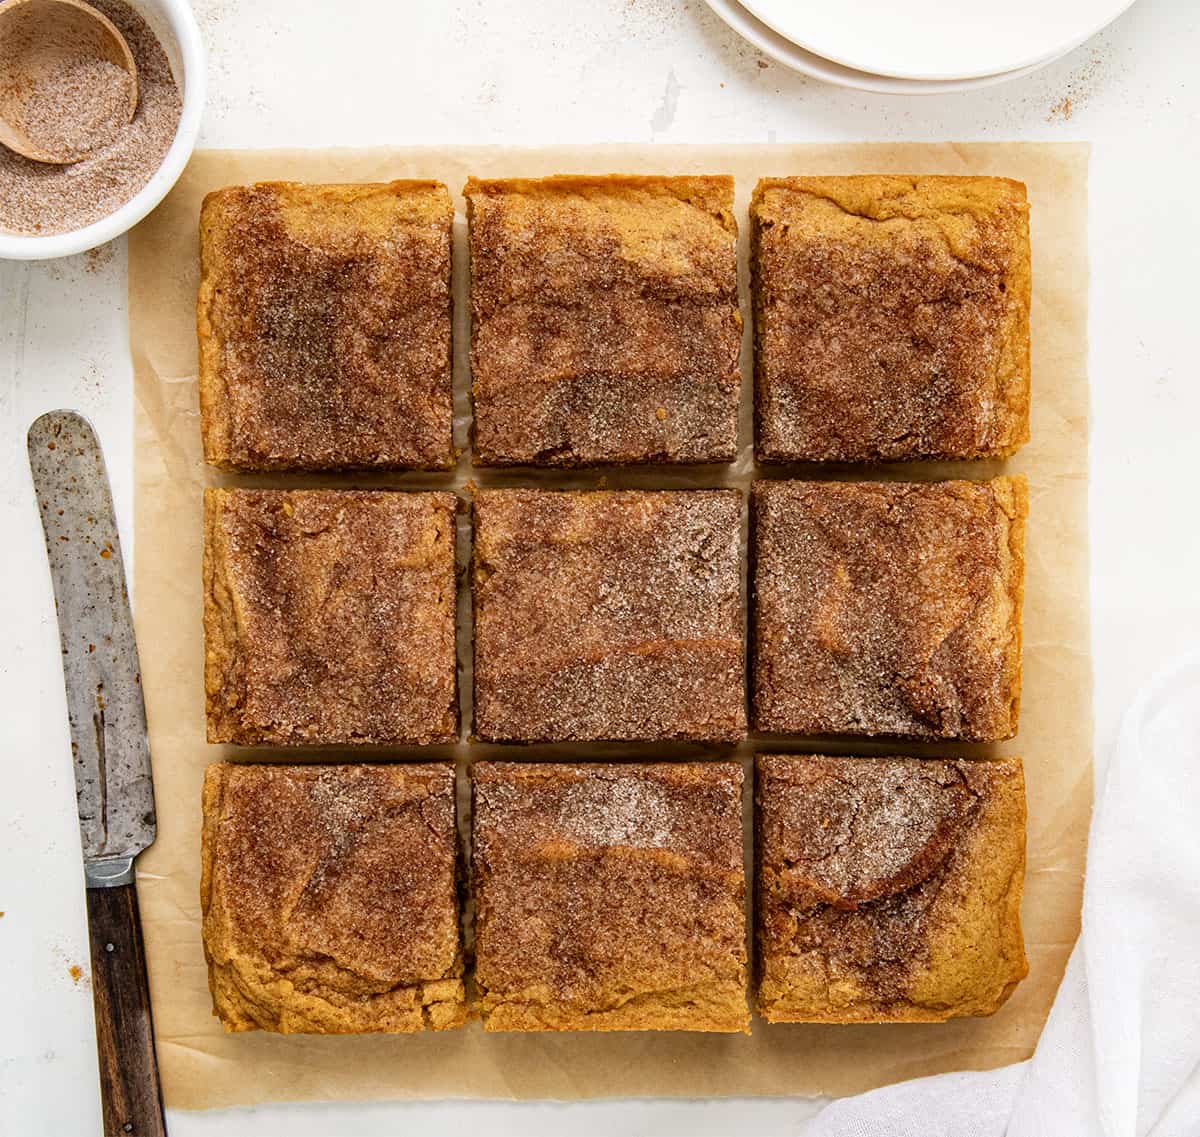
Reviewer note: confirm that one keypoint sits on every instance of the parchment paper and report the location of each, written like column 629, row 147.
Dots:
column 204, row 1067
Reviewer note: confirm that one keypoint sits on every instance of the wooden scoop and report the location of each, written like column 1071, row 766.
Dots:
column 42, row 44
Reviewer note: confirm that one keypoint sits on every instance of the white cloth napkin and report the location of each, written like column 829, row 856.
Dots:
column 1120, row 1053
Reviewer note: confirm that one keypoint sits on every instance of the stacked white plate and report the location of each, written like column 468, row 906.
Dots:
column 919, row 46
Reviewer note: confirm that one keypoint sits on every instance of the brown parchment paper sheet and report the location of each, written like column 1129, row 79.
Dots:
column 204, row 1067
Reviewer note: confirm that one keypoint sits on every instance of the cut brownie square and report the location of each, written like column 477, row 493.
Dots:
column 329, row 898
column 891, row 318
column 887, row 889
column 324, row 326
column 609, row 897
column 329, row 617
column 888, row 607
column 605, row 322
column 608, row 615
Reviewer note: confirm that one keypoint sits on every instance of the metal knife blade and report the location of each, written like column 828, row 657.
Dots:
column 113, row 785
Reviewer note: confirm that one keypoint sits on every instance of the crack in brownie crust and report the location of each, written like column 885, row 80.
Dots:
column 609, row 897
column 888, row 607
column 329, row 617
column 324, row 326
column 887, row 889
column 608, row 615
column 891, row 318
column 605, row 322
column 329, row 898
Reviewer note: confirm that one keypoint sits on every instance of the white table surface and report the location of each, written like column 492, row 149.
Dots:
column 357, row 72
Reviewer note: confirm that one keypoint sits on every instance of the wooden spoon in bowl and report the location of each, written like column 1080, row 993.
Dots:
column 68, row 81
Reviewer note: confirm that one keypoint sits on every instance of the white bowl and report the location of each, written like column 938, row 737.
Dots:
column 175, row 25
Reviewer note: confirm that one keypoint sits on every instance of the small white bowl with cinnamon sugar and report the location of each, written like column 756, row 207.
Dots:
column 49, row 210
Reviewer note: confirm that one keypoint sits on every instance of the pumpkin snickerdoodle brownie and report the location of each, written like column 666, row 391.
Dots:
column 888, row 608
column 887, row 889
column 329, row 898
column 609, row 897
column 608, row 615
column 324, row 326
column 604, row 320
column 891, row 317
column 329, row 617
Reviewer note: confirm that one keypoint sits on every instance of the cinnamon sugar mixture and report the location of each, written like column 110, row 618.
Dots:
column 851, row 841
column 37, row 199
column 605, row 806
column 77, row 109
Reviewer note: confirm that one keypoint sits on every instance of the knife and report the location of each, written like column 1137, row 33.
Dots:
column 113, row 787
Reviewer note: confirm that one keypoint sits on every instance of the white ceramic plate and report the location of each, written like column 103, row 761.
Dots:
column 936, row 39
column 783, row 51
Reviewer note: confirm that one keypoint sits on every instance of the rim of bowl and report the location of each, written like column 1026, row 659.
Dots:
column 182, row 23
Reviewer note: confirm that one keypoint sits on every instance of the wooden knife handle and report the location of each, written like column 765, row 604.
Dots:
column 130, row 1093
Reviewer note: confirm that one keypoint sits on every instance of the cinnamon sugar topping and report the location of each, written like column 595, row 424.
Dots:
column 854, row 835
column 888, row 608
column 605, row 323
column 607, row 615
column 329, row 616
column 891, row 318
column 601, row 805
column 888, row 888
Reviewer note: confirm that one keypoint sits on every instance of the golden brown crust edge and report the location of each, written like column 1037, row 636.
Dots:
column 1012, row 494
column 883, row 196
column 223, row 664
column 711, row 192
column 214, row 424
column 1018, row 392
column 711, row 1008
